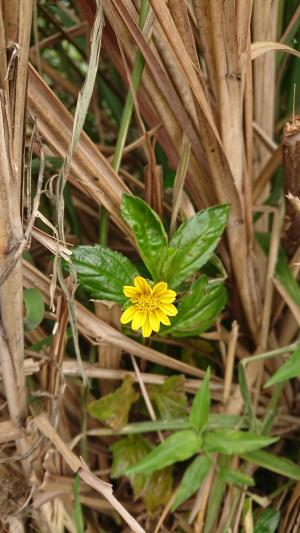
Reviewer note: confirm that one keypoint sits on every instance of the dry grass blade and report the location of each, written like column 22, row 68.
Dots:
column 179, row 182
column 15, row 27
column 288, row 300
column 260, row 48
column 228, row 60
column 79, row 467
column 177, row 44
column 272, row 259
column 266, row 173
column 264, row 29
column 90, row 170
column 82, row 105
column 178, row 103
column 8, row 432
column 220, row 172
column 159, row 75
column 230, row 362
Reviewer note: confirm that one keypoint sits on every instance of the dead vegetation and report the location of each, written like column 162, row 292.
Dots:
column 185, row 104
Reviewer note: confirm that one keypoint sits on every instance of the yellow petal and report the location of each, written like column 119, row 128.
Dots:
column 160, row 288
column 146, row 328
column 142, row 285
column 128, row 315
column 130, row 291
column 168, row 309
column 154, row 321
column 165, row 299
column 171, row 293
column 138, row 320
column 162, row 317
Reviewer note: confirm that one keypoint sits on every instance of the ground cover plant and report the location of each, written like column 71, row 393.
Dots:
column 150, row 252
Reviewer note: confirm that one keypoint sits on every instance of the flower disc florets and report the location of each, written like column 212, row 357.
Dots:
column 151, row 305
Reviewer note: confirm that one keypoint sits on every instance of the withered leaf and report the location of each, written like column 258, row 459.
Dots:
column 114, row 408
column 169, row 399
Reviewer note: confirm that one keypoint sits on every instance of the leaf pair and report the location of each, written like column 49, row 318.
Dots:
column 188, row 250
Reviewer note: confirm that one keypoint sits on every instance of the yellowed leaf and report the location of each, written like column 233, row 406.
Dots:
column 260, row 48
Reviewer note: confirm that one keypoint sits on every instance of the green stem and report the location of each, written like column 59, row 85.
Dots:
column 78, row 516
column 137, row 72
column 267, row 424
column 271, row 408
column 83, row 442
column 269, row 355
column 215, row 421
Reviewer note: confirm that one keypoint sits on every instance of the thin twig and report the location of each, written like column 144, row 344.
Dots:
column 230, row 361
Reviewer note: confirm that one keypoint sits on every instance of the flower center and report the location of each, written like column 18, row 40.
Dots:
column 146, row 303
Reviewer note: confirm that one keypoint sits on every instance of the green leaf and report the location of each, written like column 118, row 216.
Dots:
column 198, row 309
column 126, row 453
column 234, row 477
column 267, row 521
column 245, row 392
column 193, row 243
column 283, row 271
column 103, row 272
column 285, row 275
column 234, row 442
column 169, row 399
column 290, row 369
column 155, row 487
column 192, row 479
column 201, row 404
column 177, row 447
column 215, row 421
column 159, row 489
column 78, row 516
column 35, row 308
column 113, row 409
column 148, row 231
column 267, row 460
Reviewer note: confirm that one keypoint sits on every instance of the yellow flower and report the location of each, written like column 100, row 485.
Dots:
column 151, row 305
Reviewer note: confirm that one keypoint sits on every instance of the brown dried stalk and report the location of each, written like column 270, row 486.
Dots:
column 15, row 28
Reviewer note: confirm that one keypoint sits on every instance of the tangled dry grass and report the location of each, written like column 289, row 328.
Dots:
column 186, row 104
